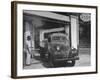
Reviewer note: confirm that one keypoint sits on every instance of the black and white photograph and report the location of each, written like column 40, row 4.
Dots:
column 56, row 39
column 53, row 39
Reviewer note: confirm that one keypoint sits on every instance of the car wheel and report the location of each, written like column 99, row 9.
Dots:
column 73, row 63
column 51, row 60
column 70, row 63
column 42, row 57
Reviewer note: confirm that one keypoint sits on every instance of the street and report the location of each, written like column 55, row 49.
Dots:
column 84, row 60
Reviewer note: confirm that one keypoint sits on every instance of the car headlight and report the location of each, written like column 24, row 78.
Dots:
column 73, row 50
column 58, row 48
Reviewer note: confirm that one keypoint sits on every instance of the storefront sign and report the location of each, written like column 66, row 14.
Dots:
column 85, row 17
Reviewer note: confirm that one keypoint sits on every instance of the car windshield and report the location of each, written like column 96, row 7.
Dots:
column 58, row 38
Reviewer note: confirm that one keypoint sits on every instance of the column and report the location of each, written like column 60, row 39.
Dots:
column 74, row 31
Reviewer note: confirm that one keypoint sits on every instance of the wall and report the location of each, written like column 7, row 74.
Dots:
column 5, row 40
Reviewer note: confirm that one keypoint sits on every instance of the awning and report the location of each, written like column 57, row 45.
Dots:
column 48, row 15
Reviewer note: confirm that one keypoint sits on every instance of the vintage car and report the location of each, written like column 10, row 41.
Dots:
column 58, row 50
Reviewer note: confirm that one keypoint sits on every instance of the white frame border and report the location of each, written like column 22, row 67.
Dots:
column 35, row 72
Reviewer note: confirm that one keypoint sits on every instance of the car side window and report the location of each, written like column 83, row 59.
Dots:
column 49, row 39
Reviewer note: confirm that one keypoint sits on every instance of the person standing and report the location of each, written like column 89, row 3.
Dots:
column 28, row 47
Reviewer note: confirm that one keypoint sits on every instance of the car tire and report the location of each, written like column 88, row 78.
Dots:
column 73, row 63
column 51, row 60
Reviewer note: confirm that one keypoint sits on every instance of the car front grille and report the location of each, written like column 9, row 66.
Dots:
column 60, row 55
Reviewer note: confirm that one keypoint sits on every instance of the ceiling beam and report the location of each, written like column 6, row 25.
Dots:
column 48, row 15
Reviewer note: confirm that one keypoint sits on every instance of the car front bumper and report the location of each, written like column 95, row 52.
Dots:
column 68, row 59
